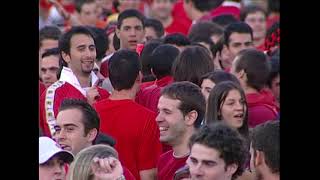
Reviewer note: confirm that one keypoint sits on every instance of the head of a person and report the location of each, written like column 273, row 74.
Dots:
column 252, row 68
column 77, row 48
column 177, row 39
column 128, row 4
column 87, row 12
column 273, row 81
column 256, row 18
column 124, row 70
column 192, row 7
column 48, row 38
column 77, row 125
column 212, row 78
column 191, row 64
column 204, row 30
column 227, row 103
column 50, row 66
column 217, row 152
column 101, row 42
column 265, row 149
column 161, row 9
column 162, row 59
column 181, row 111
column 81, row 168
column 237, row 36
column 154, row 29
column 110, row 31
column 130, row 28
column 146, row 59
column 52, row 160
column 273, row 6
column 224, row 19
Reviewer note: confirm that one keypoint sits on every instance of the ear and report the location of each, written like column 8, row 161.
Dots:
column 92, row 134
column 66, row 57
column 191, row 117
column 241, row 74
column 231, row 169
column 259, row 159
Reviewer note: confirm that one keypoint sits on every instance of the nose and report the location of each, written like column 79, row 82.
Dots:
column 159, row 118
column 58, row 169
column 60, row 136
column 197, row 170
column 239, row 106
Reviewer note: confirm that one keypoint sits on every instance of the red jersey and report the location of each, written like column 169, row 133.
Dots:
column 51, row 99
column 177, row 26
column 179, row 13
column 227, row 7
column 127, row 174
column 168, row 165
column 261, row 107
column 135, row 130
column 149, row 96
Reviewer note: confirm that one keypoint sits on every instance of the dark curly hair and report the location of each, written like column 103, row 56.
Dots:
column 227, row 141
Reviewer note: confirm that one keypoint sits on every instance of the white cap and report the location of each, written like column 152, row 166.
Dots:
column 48, row 148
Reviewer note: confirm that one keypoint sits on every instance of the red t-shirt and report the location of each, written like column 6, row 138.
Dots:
column 224, row 9
column 149, row 96
column 51, row 99
column 179, row 14
column 177, row 26
column 168, row 165
column 127, row 174
column 261, row 107
column 135, row 131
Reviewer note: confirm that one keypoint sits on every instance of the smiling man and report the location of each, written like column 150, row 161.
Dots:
column 181, row 110
column 77, row 81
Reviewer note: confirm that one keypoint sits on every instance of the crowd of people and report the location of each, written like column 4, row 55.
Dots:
column 159, row 89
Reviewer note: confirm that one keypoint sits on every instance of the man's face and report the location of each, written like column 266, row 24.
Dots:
column 49, row 69
column 130, row 33
column 88, row 15
column 206, row 87
column 53, row 169
column 233, row 108
column 170, row 120
column 150, row 34
column 161, row 9
column 205, row 164
column 82, row 54
column 70, row 131
column 237, row 42
column 257, row 21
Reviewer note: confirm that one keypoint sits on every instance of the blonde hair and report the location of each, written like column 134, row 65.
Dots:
column 80, row 168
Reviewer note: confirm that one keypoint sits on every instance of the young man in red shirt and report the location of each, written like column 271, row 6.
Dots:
column 237, row 36
column 252, row 68
column 132, row 125
column 78, row 128
column 161, row 64
column 130, row 32
column 181, row 111
column 77, row 81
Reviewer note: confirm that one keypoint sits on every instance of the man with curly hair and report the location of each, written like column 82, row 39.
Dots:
column 217, row 152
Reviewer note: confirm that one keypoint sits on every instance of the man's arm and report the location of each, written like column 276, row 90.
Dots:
column 149, row 174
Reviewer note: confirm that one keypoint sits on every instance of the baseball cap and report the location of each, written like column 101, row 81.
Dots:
column 49, row 148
